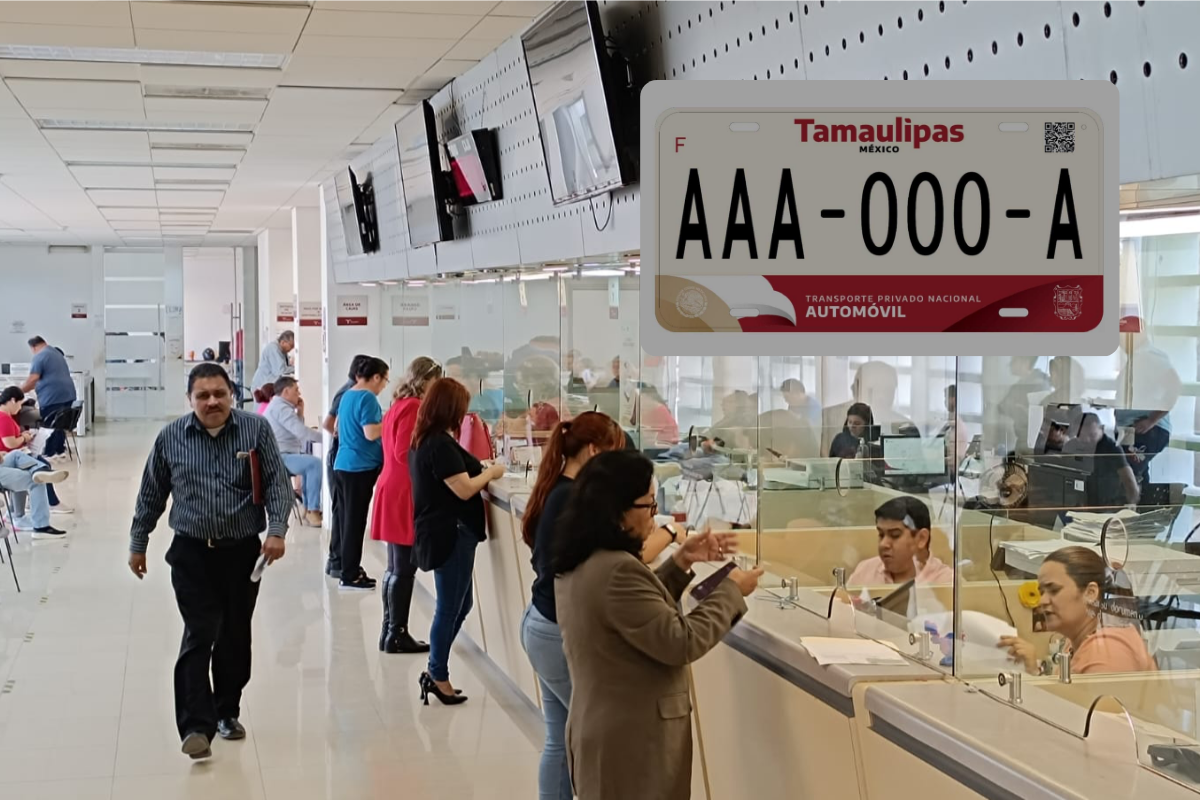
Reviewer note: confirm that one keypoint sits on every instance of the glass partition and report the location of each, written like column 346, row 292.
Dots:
column 957, row 502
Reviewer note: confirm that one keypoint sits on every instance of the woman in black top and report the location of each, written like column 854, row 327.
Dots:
column 448, row 522
column 572, row 444
column 859, row 421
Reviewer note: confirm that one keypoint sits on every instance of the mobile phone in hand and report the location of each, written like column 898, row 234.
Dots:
column 710, row 584
column 256, row 575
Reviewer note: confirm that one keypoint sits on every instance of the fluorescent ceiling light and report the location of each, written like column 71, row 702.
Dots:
column 1165, row 226
column 146, row 125
column 388, row 283
column 536, row 276
column 602, row 273
column 414, row 283
column 207, row 92
column 367, row 283
column 134, row 55
column 1160, row 210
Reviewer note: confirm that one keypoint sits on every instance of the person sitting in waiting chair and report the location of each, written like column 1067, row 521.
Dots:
column 285, row 414
column 15, row 440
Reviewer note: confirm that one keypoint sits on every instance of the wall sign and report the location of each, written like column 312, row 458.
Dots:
column 285, row 311
column 352, row 310
column 310, row 314
column 79, row 311
column 903, row 217
column 446, row 312
column 411, row 309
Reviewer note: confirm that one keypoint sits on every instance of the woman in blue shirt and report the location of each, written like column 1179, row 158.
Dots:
column 357, row 465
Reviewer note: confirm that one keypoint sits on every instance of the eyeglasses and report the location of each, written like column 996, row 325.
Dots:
column 652, row 506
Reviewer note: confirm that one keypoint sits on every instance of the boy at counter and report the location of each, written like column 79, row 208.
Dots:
column 903, row 526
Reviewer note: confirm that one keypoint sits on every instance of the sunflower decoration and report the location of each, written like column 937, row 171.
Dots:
column 1029, row 594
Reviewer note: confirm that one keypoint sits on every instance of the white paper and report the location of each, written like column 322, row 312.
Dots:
column 38, row 445
column 827, row 650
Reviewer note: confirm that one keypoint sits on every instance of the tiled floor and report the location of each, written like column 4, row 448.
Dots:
column 86, row 656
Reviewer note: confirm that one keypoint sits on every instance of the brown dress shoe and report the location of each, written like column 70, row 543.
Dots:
column 314, row 518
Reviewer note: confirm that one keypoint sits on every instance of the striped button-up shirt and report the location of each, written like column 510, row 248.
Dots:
column 211, row 486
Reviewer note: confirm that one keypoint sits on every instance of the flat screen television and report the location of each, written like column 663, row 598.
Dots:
column 422, row 177
column 348, row 212
column 475, row 167
column 585, row 102
column 356, row 206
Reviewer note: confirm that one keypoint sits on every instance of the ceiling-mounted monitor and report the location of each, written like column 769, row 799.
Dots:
column 475, row 167
column 422, row 177
column 586, row 103
column 346, row 210
column 356, row 204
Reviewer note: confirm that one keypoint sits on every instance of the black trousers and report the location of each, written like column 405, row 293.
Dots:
column 352, row 505
column 402, row 566
column 216, row 600
column 335, row 530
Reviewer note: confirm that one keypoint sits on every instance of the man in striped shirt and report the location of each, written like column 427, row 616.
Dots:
column 206, row 461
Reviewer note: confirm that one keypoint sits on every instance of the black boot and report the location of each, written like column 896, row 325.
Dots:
column 400, row 590
column 387, row 611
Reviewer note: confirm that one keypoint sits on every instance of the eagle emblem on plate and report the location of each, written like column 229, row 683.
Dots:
column 691, row 302
column 1068, row 302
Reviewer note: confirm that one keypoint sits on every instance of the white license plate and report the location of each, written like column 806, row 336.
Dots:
column 907, row 217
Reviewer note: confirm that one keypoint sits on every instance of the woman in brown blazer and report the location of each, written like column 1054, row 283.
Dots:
column 629, row 731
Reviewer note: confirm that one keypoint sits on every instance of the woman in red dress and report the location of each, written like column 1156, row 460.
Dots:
column 393, row 519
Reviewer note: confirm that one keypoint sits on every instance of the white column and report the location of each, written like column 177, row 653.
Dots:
column 275, row 281
column 307, row 251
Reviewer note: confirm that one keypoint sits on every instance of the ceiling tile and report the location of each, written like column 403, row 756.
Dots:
column 193, row 173
column 279, row 19
column 79, row 12
column 118, row 213
column 384, row 124
column 172, row 155
column 468, row 8
column 372, row 47
column 67, row 35
column 98, row 140
column 154, row 39
column 498, row 29
column 328, row 22
column 183, row 109
column 190, row 199
column 520, row 8
column 37, row 94
column 123, row 197
column 367, row 73
column 9, row 107
column 471, row 49
column 114, row 177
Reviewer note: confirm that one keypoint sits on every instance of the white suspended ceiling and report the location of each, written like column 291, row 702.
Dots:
column 195, row 122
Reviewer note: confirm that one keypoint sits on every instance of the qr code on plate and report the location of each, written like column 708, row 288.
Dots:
column 1060, row 137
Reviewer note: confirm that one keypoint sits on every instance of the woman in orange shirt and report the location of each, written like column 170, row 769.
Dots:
column 1074, row 587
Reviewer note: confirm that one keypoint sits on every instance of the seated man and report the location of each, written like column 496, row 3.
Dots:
column 285, row 413
column 12, row 438
column 903, row 526
column 25, row 481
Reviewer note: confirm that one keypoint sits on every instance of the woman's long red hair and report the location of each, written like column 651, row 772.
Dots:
column 567, row 440
column 442, row 409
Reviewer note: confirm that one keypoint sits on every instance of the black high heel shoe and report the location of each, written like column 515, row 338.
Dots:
column 428, row 687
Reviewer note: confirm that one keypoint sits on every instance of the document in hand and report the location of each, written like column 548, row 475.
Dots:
column 828, row 650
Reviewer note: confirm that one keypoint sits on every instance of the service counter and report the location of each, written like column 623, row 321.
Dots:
column 770, row 722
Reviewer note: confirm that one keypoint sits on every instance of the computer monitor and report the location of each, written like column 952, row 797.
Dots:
column 1060, row 422
column 909, row 455
column 1052, row 488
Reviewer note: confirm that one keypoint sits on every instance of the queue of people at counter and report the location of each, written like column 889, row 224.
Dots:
column 604, row 632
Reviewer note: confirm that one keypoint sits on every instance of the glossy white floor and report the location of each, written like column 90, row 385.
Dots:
column 86, row 657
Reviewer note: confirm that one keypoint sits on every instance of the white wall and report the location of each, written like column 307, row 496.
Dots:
column 208, row 292
column 40, row 288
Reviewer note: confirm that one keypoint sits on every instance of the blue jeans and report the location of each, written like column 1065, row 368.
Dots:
column 20, row 482
column 309, row 468
column 18, row 459
column 543, row 643
column 453, row 583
